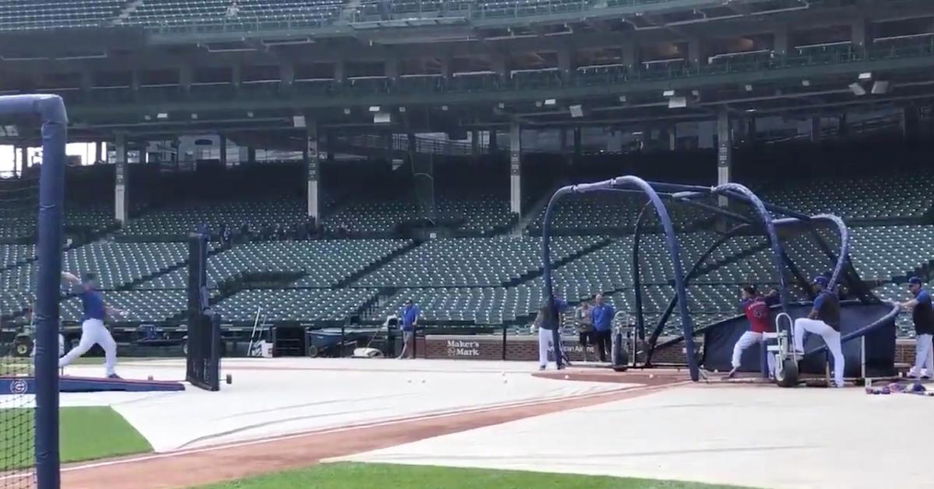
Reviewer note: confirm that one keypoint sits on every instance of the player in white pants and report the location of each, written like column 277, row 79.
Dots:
column 756, row 309
column 548, row 332
column 923, row 315
column 824, row 320
column 92, row 325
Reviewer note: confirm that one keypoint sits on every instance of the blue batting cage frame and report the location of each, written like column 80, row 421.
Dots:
column 657, row 194
column 49, row 110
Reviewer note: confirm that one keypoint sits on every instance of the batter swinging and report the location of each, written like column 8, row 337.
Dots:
column 92, row 325
column 756, row 308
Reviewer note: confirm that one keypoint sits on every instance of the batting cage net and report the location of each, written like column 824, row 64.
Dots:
column 18, row 217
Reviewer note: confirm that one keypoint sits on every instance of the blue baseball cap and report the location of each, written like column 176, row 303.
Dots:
column 915, row 281
column 821, row 280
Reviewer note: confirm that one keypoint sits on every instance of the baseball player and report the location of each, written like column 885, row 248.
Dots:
column 823, row 320
column 756, row 308
column 923, row 315
column 548, row 324
column 92, row 323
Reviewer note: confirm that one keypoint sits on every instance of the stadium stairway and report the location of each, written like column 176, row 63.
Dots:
column 375, row 265
column 535, row 275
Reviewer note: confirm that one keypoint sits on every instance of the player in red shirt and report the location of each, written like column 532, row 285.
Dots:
column 756, row 308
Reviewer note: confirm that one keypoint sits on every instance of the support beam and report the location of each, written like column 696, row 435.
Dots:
column 222, row 145
column 696, row 52
column 392, row 68
column 340, row 72
column 475, row 144
column 578, row 145
column 673, row 138
column 860, row 33
column 492, row 143
column 630, row 54
column 751, row 130
column 781, row 41
column 515, row 168
column 98, row 151
column 236, row 75
column 286, row 76
column 121, row 178
column 566, row 63
column 251, row 154
column 563, row 140
column 815, row 129
column 312, row 168
column 724, row 152
column 24, row 157
column 185, row 76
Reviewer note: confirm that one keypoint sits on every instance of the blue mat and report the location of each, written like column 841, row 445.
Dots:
column 27, row 385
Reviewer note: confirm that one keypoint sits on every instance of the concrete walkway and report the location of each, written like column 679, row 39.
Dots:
column 753, row 436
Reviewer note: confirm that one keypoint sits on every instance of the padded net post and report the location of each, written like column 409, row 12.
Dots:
column 203, row 363
column 33, row 433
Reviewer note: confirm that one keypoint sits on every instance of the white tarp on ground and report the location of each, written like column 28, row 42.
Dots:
column 271, row 397
column 753, row 436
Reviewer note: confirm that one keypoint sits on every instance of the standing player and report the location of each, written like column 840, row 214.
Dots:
column 602, row 318
column 923, row 316
column 409, row 316
column 756, row 308
column 824, row 320
column 548, row 324
column 93, row 331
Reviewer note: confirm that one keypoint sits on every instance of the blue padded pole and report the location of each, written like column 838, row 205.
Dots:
column 675, row 251
column 546, row 264
column 51, row 111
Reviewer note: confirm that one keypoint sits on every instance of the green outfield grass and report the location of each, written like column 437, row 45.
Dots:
column 368, row 476
column 87, row 433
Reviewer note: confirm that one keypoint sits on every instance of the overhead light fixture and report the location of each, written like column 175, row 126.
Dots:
column 805, row 83
column 402, row 109
column 668, row 93
column 857, row 89
column 374, row 108
column 577, row 111
column 147, row 117
column 550, row 102
column 677, row 102
column 444, row 108
column 622, row 98
column 695, row 93
column 501, row 105
column 880, row 88
column 865, row 76
column 194, row 116
column 538, row 103
column 249, row 113
column 750, row 110
column 162, row 116
column 298, row 121
column 748, row 87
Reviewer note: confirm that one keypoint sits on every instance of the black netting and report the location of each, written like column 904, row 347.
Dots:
column 18, row 207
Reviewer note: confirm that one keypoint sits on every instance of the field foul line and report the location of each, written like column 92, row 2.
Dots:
column 374, row 424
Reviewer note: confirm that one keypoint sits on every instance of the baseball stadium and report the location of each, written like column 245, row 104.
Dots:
column 466, row 244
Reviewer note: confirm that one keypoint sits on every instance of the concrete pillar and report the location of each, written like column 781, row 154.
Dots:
column 87, row 80
column 724, row 151
column 340, row 73
column 392, row 68
column 860, row 33
column 781, row 41
column 815, row 129
column 329, row 140
column 286, row 76
column 250, row 154
column 236, row 75
column 499, row 65
column 475, row 144
column 515, row 168
column 24, row 157
column 673, row 138
column 98, row 150
column 312, row 168
column 843, row 129
column 578, row 146
column 751, row 130
column 492, row 143
column 388, row 146
column 566, row 63
column 121, row 178
column 185, row 76
column 630, row 54
column 134, row 80
column 910, row 123
column 222, row 144
column 447, row 67
column 696, row 52
column 563, row 140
